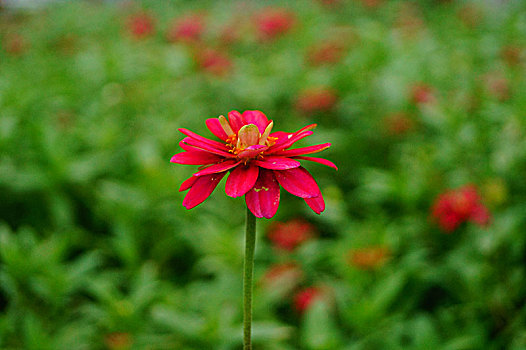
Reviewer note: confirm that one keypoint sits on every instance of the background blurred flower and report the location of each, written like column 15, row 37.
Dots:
column 368, row 258
column 455, row 207
column 305, row 297
column 422, row 94
column 213, row 61
column 284, row 276
column 272, row 22
column 188, row 29
column 119, row 341
column 141, row 25
column 316, row 100
column 327, row 52
column 497, row 86
column 398, row 124
column 289, row 235
column 15, row 44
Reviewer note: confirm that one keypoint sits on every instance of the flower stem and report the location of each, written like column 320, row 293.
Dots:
column 250, row 245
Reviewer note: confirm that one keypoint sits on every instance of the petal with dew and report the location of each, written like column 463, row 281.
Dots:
column 215, row 144
column 305, row 150
column 298, row 181
column 201, row 189
column 317, row 204
column 291, row 139
column 318, row 160
column 218, row 168
column 195, row 158
column 263, row 199
column 235, row 120
column 257, row 118
column 215, row 128
column 277, row 163
column 241, row 180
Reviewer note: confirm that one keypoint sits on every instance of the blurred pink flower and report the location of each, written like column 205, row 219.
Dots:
column 455, row 207
column 272, row 22
column 316, row 100
column 288, row 235
column 259, row 162
column 141, row 25
column 213, row 61
column 304, row 298
column 368, row 258
column 188, row 29
column 422, row 94
column 118, row 341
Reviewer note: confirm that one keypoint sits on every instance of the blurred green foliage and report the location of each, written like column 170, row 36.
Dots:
column 97, row 252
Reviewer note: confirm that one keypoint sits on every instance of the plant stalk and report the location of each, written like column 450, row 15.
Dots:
column 250, row 245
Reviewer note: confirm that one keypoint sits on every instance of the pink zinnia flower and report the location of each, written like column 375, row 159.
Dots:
column 455, row 207
column 288, row 235
column 258, row 161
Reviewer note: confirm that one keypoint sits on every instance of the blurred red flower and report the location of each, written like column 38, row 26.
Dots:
column 422, row 94
column 398, row 124
column 15, row 44
column 455, row 207
column 141, row 25
column 213, row 61
column 497, row 86
column 329, row 52
column 304, row 298
column 271, row 22
column 288, row 235
column 512, row 55
column 118, row 341
column 316, row 100
column 188, row 29
column 368, row 258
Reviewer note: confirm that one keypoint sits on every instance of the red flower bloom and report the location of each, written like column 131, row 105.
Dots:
column 326, row 53
column 455, row 207
column 368, row 258
column 141, row 25
column 288, row 235
column 304, row 298
column 316, row 100
column 213, row 61
column 273, row 22
column 188, row 29
column 259, row 162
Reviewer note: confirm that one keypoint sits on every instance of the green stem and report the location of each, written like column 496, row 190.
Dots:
column 250, row 245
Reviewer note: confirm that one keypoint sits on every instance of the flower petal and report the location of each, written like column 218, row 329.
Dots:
column 298, row 181
column 195, row 158
column 317, row 204
column 277, row 163
column 201, row 189
column 305, row 150
column 252, row 151
column 257, row 118
column 215, row 144
column 215, row 128
column 283, row 144
column 241, row 180
column 218, row 168
column 263, row 198
column 187, row 183
column 198, row 145
column 319, row 160
column 236, row 120
column 247, row 136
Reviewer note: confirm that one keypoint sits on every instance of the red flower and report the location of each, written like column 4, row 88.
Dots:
column 398, row 124
column 329, row 52
column 214, row 62
column 259, row 162
column 288, row 235
column 273, row 22
column 304, row 298
column 422, row 94
column 368, row 258
column 188, row 29
column 316, row 100
column 141, row 25
column 455, row 207
column 118, row 341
